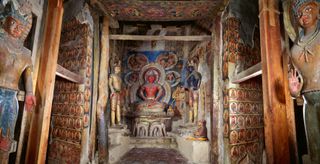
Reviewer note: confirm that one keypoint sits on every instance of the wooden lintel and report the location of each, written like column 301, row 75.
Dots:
column 248, row 73
column 168, row 38
column 66, row 74
column 112, row 22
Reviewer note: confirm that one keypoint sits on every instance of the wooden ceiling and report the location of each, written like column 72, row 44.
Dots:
column 160, row 10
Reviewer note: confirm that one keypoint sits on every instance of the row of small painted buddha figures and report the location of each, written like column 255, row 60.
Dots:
column 16, row 60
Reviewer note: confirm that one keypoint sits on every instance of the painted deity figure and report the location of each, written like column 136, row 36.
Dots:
column 151, row 92
column 306, row 60
column 193, row 81
column 15, row 61
column 115, row 84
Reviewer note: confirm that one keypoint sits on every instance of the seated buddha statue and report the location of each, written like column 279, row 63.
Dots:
column 151, row 93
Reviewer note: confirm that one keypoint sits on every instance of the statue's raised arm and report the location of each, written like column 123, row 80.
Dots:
column 305, row 55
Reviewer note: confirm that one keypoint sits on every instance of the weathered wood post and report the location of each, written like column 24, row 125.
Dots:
column 274, row 97
column 103, row 92
column 39, row 132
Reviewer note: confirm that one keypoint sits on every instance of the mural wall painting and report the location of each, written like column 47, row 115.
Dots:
column 243, row 108
column 71, row 103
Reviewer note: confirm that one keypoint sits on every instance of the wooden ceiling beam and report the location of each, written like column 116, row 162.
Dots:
column 113, row 23
column 167, row 38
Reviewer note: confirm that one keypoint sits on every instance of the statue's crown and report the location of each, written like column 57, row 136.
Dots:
column 151, row 73
column 298, row 3
column 22, row 13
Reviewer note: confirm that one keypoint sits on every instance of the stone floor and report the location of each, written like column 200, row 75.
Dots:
column 152, row 156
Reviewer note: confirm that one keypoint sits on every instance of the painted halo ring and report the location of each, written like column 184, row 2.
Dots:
column 167, row 60
column 131, row 77
column 137, row 61
column 173, row 78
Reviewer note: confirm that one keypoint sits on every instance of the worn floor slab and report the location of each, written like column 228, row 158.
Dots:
column 153, row 156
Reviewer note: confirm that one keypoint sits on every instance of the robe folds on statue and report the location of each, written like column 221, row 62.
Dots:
column 8, row 116
column 311, row 118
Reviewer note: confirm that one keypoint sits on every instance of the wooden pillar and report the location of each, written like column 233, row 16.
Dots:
column 290, row 107
column 103, row 92
column 217, row 109
column 26, row 117
column 274, row 97
column 96, row 59
column 39, row 132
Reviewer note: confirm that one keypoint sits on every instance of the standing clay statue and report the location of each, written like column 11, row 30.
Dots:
column 306, row 61
column 15, row 61
column 115, row 83
column 193, row 83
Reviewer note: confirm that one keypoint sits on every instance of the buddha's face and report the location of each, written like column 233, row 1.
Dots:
column 308, row 14
column 13, row 27
column 151, row 78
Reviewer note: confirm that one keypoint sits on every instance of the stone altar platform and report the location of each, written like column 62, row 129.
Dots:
column 121, row 142
column 195, row 151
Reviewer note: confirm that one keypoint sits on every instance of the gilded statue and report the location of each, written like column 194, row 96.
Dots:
column 115, row 83
column 15, row 61
column 304, row 78
column 193, row 82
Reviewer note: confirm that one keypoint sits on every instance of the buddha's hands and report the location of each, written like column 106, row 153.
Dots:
column 30, row 102
column 295, row 83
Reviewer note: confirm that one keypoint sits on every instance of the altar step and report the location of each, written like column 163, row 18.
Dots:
column 147, row 142
column 153, row 156
column 121, row 141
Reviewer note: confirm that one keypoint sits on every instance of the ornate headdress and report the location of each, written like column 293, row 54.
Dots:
column 298, row 3
column 22, row 14
column 152, row 72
